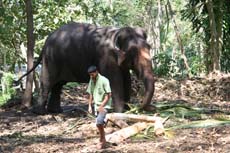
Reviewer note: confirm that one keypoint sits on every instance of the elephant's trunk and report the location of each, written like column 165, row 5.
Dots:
column 143, row 68
column 148, row 80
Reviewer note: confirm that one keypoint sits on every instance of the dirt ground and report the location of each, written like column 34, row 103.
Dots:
column 73, row 131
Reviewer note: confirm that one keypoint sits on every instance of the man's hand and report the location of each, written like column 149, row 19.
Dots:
column 101, row 109
column 90, row 109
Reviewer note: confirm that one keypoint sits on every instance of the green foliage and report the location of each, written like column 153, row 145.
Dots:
column 202, row 124
column 163, row 64
column 70, row 85
column 12, row 30
column 49, row 15
column 225, row 56
column 196, row 11
column 225, row 59
column 7, row 88
column 196, row 65
column 4, row 98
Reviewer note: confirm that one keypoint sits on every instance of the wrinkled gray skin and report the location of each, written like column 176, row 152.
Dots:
column 71, row 49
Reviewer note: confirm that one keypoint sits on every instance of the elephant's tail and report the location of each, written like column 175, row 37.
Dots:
column 32, row 69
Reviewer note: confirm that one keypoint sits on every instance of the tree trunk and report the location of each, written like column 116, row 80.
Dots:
column 179, row 40
column 36, row 82
column 158, row 27
column 219, row 28
column 26, row 102
column 150, row 28
column 215, row 25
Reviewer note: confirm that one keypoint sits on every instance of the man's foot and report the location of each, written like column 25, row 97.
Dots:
column 101, row 145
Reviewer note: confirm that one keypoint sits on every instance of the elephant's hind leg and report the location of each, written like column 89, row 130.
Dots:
column 54, row 104
column 40, row 106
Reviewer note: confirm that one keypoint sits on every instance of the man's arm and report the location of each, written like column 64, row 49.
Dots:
column 90, row 103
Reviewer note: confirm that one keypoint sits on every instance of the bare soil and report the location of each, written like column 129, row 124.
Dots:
column 73, row 131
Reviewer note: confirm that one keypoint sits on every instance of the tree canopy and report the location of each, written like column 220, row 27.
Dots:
column 199, row 27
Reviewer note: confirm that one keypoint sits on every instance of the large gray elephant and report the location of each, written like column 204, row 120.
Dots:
column 71, row 49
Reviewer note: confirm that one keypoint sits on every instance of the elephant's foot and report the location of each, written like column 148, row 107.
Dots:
column 55, row 110
column 40, row 110
column 150, row 108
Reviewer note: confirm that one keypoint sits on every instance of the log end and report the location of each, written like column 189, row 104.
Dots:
column 159, row 132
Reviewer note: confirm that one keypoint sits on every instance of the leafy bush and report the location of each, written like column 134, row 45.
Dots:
column 196, row 65
column 163, row 64
column 7, row 88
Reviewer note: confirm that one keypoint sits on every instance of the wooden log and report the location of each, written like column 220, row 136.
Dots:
column 125, row 133
column 132, row 117
column 143, row 121
column 158, row 127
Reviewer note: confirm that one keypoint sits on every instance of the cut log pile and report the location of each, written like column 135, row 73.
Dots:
column 140, row 122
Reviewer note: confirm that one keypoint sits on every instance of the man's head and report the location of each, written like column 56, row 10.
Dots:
column 92, row 70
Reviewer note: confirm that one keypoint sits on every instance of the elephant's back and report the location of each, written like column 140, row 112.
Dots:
column 70, row 40
column 75, row 46
column 71, row 34
column 79, row 39
column 70, row 51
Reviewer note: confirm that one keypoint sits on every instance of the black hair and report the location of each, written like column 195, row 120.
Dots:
column 92, row 68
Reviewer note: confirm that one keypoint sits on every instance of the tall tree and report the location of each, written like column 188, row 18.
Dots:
column 215, row 25
column 30, row 54
column 12, row 31
column 179, row 39
column 210, row 16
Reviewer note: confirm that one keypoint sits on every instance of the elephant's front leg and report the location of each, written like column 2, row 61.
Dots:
column 112, row 71
column 127, row 85
column 118, row 101
column 117, row 93
column 54, row 104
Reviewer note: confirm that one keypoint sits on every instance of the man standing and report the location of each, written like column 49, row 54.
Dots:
column 100, row 92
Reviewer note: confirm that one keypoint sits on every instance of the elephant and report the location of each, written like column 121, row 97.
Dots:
column 71, row 49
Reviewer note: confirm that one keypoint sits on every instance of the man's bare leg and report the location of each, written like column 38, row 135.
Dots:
column 102, row 136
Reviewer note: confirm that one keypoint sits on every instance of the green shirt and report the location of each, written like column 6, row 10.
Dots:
column 98, row 90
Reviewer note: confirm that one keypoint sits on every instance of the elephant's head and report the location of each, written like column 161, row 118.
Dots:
column 133, row 53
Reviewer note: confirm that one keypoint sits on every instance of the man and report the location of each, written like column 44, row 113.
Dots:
column 100, row 92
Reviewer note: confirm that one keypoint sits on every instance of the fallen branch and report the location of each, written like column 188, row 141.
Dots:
column 119, row 123
column 74, row 97
column 68, row 95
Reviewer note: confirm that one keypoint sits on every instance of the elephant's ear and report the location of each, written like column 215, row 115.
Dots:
column 119, row 41
column 122, row 37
